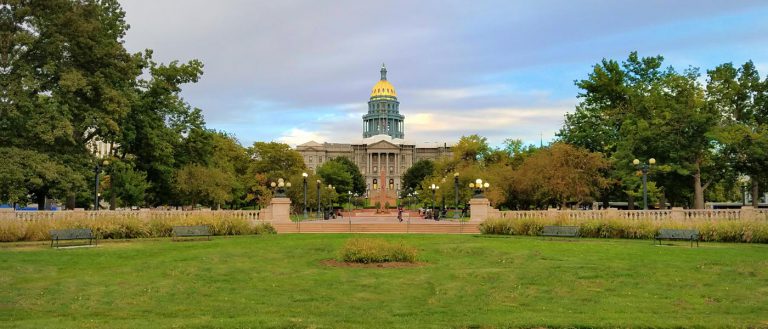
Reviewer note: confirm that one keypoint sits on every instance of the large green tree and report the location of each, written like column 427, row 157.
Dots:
column 66, row 79
column 414, row 176
column 358, row 182
column 636, row 109
column 742, row 99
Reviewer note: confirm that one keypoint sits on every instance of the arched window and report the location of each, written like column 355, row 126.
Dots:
column 375, row 183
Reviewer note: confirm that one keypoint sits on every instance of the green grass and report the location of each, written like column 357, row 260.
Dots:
column 278, row 281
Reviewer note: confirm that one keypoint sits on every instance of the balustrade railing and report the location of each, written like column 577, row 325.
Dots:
column 251, row 215
column 654, row 215
column 259, row 215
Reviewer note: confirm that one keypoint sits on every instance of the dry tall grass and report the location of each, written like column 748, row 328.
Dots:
column 710, row 230
column 108, row 227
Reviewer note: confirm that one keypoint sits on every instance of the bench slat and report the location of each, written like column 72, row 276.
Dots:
column 71, row 234
column 199, row 230
column 676, row 234
column 571, row 231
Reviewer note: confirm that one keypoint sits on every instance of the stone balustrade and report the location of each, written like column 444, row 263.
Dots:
column 251, row 215
column 489, row 212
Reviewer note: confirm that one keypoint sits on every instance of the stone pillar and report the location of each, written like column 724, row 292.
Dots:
column 479, row 209
column 747, row 213
column 280, row 209
column 678, row 213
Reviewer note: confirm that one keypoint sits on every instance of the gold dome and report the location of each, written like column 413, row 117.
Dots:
column 383, row 88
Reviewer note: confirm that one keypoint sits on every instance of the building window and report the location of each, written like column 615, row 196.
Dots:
column 391, row 169
column 310, row 158
column 375, row 183
column 391, row 184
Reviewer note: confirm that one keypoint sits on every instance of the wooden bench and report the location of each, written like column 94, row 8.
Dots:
column 72, row 234
column 673, row 234
column 191, row 231
column 560, row 231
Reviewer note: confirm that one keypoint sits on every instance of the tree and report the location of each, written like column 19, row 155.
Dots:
column 66, row 79
column 358, row 182
column 472, row 148
column 127, row 185
column 740, row 96
column 638, row 110
column 161, row 122
column 277, row 160
column 415, row 175
column 204, row 185
column 562, row 174
column 335, row 173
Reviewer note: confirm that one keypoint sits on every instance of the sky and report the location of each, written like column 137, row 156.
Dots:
column 295, row 71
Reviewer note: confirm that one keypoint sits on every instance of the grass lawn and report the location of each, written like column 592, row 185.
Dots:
column 278, row 281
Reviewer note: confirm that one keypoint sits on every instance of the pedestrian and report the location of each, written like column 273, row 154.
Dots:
column 400, row 214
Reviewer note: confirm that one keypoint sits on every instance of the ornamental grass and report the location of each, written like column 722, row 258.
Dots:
column 740, row 230
column 115, row 227
column 368, row 250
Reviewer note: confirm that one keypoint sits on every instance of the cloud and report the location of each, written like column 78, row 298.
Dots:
column 303, row 69
column 297, row 136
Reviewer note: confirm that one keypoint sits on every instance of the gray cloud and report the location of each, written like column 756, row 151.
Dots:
column 272, row 67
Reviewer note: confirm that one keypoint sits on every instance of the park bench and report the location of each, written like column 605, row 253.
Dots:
column 72, row 234
column 673, row 234
column 191, row 231
column 560, row 231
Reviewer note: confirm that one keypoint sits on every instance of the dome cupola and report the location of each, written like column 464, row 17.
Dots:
column 383, row 117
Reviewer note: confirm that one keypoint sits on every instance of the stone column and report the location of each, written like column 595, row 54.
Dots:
column 280, row 209
column 479, row 209
column 747, row 213
column 678, row 213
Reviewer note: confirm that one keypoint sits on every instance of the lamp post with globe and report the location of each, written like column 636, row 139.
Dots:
column 644, row 169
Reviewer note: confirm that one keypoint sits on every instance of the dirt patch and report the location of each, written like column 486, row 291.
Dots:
column 336, row 263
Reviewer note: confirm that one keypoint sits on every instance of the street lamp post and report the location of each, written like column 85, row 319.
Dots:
column 97, row 171
column 304, row 175
column 349, row 199
column 479, row 186
column 434, row 189
column 319, row 205
column 456, row 194
column 280, row 187
column 408, row 202
column 330, row 200
column 644, row 169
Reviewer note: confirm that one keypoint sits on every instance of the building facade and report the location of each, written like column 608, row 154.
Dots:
column 383, row 156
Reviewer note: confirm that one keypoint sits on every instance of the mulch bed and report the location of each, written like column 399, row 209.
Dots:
column 336, row 263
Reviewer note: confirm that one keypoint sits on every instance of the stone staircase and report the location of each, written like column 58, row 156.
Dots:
column 400, row 227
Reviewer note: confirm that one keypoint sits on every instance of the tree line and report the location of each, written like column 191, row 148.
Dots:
column 68, row 82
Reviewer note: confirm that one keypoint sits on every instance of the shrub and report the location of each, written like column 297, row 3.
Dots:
column 264, row 228
column 368, row 250
column 709, row 230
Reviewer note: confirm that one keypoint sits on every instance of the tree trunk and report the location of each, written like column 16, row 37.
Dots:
column 755, row 192
column 606, row 199
column 630, row 202
column 698, row 190
column 41, row 201
column 663, row 201
column 71, row 201
column 112, row 195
